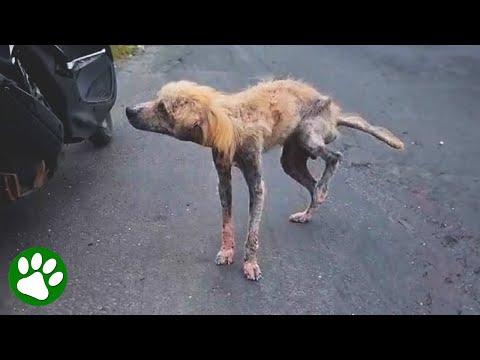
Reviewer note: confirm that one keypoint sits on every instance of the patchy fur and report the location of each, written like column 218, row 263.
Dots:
column 239, row 127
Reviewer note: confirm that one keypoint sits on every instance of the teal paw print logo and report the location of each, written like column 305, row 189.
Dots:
column 37, row 276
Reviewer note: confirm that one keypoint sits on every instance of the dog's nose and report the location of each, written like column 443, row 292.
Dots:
column 131, row 112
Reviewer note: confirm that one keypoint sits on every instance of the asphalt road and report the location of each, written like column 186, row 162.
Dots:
column 138, row 222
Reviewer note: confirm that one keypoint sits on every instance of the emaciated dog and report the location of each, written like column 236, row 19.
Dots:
column 239, row 127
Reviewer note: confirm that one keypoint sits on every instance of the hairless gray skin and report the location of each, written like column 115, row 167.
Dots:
column 299, row 118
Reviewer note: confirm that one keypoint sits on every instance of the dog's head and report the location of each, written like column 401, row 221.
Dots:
column 188, row 112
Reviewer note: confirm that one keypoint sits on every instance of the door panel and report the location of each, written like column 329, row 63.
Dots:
column 81, row 89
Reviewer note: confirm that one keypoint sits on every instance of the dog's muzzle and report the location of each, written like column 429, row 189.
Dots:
column 132, row 113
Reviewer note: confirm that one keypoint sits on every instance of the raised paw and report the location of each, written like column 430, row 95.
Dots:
column 252, row 270
column 301, row 217
column 225, row 257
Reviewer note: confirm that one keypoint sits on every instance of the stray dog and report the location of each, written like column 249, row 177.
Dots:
column 239, row 127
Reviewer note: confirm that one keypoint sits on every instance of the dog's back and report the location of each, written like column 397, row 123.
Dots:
column 272, row 108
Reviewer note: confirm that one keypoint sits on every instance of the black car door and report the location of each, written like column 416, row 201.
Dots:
column 77, row 81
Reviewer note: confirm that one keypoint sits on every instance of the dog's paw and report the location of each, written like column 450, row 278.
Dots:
column 301, row 217
column 225, row 257
column 252, row 270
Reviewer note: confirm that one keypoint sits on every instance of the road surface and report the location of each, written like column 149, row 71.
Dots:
column 138, row 222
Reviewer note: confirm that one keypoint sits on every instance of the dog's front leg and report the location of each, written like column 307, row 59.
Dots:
column 224, row 170
column 251, row 169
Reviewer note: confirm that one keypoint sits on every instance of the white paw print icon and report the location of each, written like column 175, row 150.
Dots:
column 35, row 285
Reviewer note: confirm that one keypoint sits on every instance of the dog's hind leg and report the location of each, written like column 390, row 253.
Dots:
column 224, row 170
column 317, row 148
column 250, row 165
column 332, row 158
column 313, row 140
column 294, row 162
column 308, row 142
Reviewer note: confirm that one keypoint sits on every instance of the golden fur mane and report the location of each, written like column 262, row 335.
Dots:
column 192, row 104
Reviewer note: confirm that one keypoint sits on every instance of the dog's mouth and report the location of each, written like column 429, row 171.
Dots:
column 140, row 125
column 137, row 124
column 161, row 130
column 133, row 116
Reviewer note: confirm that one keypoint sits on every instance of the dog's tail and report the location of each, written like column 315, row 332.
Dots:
column 358, row 123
